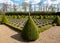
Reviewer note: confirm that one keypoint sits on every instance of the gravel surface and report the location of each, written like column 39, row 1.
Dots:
column 8, row 35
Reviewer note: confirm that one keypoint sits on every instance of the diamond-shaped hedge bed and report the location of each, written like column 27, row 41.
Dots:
column 30, row 30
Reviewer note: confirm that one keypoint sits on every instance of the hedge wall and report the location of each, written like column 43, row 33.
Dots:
column 32, row 13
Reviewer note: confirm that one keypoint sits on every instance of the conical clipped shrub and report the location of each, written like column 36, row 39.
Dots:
column 4, row 19
column 57, row 21
column 30, row 30
column 41, row 17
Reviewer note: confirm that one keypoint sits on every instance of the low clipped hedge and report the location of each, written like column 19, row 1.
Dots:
column 5, row 21
column 30, row 30
column 42, row 29
column 13, row 26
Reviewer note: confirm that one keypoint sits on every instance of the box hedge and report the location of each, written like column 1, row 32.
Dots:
column 57, row 20
column 4, row 19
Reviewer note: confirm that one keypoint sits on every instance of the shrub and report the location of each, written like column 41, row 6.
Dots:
column 4, row 19
column 14, row 16
column 42, row 29
column 18, row 17
column 16, row 13
column 41, row 17
column 30, row 30
column 32, row 13
column 57, row 21
column 54, row 24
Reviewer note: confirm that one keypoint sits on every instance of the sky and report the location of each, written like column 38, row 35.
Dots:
column 52, row 2
column 20, row 2
column 33, row 1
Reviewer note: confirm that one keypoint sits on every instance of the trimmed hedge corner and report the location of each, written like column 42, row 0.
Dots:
column 30, row 30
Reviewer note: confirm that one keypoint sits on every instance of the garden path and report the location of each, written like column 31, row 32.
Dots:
column 7, row 35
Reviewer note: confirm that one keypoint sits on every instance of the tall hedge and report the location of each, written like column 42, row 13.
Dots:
column 32, row 13
column 30, row 30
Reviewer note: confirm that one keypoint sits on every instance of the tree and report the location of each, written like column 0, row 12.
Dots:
column 10, row 6
column 19, row 7
column 25, row 6
column 4, row 7
column 14, row 7
column 52, row 8
column 40, row 5
column 58, row 9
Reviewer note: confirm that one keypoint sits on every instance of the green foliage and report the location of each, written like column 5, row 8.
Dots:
column 36, row 17
column 14, row 17
column 57, row 21
column 16, row 13
column 30, row 30
column 42, row 13
column 54, row 24
column 32, row 13
column 18, row 17
column 14, row 27
column 42, row 17
column 4, row 19
column 0, row 18
column 1, row 15
column 44, row 28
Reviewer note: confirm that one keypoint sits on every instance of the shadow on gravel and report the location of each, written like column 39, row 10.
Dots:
column 19, row 38
column 13, row 28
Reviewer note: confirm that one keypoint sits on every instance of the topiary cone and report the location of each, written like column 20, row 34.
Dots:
column 57, row 20
column 30, row 30
column 4, row 19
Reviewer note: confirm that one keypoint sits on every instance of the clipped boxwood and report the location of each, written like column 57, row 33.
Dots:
column 4, row 19
column 30, row 30
column 57, row 21
column 42, row 29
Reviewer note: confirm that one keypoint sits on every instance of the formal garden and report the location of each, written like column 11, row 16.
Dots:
column 31, row 25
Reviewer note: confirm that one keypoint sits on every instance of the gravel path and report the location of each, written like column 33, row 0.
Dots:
column 8, row 35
